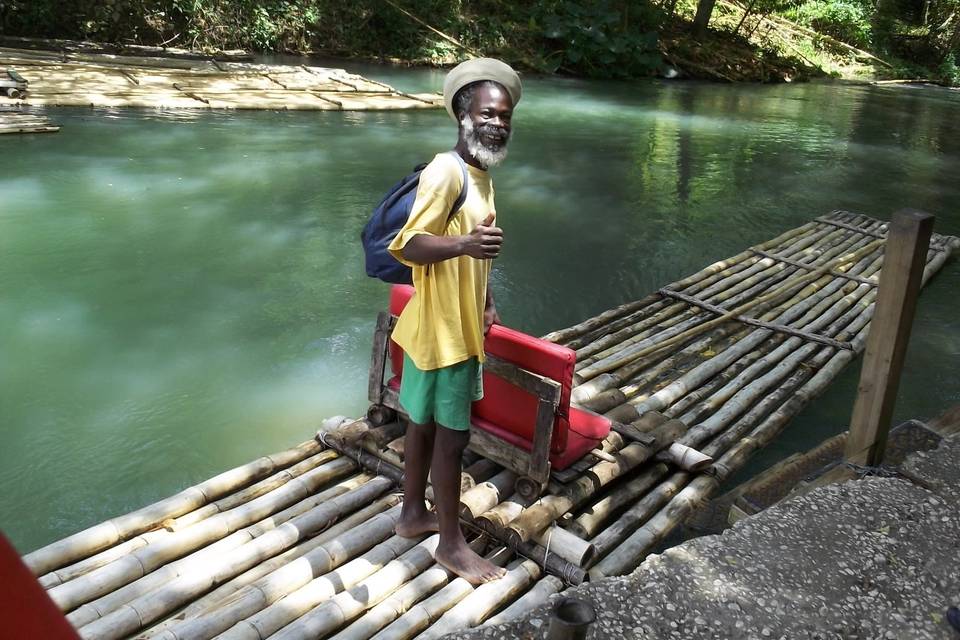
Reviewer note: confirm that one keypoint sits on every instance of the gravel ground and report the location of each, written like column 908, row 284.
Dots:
column 870, row 559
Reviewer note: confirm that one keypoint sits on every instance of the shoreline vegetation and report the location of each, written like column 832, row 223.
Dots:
column 720, row 40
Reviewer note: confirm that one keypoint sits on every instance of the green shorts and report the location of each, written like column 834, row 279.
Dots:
column 441, row 395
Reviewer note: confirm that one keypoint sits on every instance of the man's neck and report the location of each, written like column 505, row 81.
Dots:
column 462, row 151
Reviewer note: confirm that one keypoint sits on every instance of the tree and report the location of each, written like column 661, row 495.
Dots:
column 702, row 19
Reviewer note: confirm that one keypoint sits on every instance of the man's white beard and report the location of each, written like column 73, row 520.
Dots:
column 483, row 154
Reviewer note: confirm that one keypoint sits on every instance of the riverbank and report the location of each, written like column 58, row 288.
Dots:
column 873, row 558
column 744, row 42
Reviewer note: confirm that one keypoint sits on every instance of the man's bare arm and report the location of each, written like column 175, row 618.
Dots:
column 482, row 243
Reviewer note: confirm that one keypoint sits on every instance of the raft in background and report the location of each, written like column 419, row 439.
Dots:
column 85, row 77
column 301, row 544
column 16, row 121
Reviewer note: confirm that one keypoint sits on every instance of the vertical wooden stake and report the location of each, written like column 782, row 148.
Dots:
column 379, row 357
column 908, row 239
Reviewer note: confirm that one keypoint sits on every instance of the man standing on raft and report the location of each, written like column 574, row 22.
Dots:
column 441, row 329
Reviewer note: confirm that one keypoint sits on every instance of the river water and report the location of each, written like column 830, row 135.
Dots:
column 184, row 292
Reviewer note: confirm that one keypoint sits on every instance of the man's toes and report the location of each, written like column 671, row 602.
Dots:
column 493, row 574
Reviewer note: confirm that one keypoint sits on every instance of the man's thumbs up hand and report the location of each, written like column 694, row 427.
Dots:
column 485, row 240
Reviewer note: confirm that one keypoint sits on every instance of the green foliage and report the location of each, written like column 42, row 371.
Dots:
column 948, row 72
column 608, row 38
column 846, row 20
column 601, row 38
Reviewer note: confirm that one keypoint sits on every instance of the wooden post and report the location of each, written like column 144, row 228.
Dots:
column 378, row 359
column 904, row 258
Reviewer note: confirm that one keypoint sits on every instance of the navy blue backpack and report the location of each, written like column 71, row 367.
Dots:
column 389, row 217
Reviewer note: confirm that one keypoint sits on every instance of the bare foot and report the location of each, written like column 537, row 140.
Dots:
column 465, row 562
column 413, row 525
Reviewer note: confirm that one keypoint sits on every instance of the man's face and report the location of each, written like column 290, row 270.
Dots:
column 486, row 125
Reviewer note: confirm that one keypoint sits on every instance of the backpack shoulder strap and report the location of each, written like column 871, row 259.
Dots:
column 463, row 190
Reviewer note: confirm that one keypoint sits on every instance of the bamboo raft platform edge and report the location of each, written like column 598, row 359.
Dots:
column 300, row 544
column 15, row 121
column 98, row 79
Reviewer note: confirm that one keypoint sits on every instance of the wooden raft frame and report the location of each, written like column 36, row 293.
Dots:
column 532, row 467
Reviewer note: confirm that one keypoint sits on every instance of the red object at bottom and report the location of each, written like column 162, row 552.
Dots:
column 26, row 611
column 509, row 412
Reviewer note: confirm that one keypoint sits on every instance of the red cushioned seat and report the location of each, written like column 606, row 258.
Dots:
column 508, row 411
column 25, row 608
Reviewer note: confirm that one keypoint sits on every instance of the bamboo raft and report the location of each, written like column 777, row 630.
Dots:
column 14, row 121
column 300, row 544
column 84, row 78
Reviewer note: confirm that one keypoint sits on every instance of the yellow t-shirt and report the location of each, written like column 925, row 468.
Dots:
column 443, row 322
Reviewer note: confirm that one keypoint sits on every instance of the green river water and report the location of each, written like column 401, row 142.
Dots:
column 183, row 292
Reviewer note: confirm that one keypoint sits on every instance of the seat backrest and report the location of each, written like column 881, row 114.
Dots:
column 25, row 607
column 504, row 404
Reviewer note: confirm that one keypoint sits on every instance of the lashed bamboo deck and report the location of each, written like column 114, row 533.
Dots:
column 106, row 80
column 300, row 544
column 14, row 121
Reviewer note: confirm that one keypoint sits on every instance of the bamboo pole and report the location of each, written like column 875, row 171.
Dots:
column 254, row 491
column 685, row 457
column 642, row 510
column 652, row 303
column 735, row 286
column 499, row 516
column 731, row 291
column 650, row 370
column 400, row 601
column 345, row 526
column 688, row 409
column 720, row 291
column 630, row 551
column 637, row 372
column 152, row 606
column 89, row 541
column 808, row 297
column 298, row 602
column 793, row 352
column 494, row 523
column 565, row 544
column 486, row 495
column 218, row 596
column 165, row 574
column 481, row 470
column 587, row 523
column 324, row 558
column 739, row 369
column 822, row 319
column 136, row 565
column 422, row 615
column 485, row 599
column 851, row 331
column 549, row 508
column 565, row 335
column 673, row 336
column 172, row 525
column 350, row 604
column 869, row 262
column 535, row 597
column 613, row 535
column 771, row 401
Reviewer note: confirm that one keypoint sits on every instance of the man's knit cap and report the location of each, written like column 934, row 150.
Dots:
column 477, row 70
